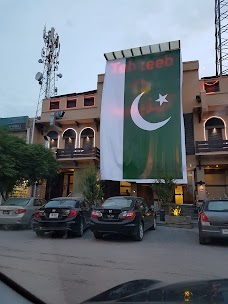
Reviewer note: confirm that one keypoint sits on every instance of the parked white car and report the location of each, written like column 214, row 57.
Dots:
column 19, row 211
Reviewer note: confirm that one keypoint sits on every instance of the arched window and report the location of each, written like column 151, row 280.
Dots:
column 69, row 137
column 53, row 139
column 214, row 127
column 87, row 139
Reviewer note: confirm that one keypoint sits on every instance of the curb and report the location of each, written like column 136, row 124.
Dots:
column 194, row 224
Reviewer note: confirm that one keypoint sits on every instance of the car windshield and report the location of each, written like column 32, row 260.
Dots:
column 62, row 203
column 16, row 202
column 217, row 206
column 121, row 202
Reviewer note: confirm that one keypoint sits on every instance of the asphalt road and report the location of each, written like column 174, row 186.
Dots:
column 72, row 270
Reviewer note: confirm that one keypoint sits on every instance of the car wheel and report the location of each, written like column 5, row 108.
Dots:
column 140, row 232
column 40, row 233
column 98, row 235
column 153, row 227
column 202, row 240
column 81, row 229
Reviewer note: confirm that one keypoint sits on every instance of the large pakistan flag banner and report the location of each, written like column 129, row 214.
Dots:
column 142, row 131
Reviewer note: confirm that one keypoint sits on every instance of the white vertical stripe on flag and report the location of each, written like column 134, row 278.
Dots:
column 112, row 119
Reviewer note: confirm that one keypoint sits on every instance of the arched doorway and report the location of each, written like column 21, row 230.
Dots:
column 69, row 137
column 87, row 139
column 214, row 127
column 53, row 139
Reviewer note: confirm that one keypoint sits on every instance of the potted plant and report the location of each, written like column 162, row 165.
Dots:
column 92, row 187
column 165, row 189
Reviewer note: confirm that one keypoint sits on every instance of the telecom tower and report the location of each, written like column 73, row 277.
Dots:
column 221, row 37
column 50, row 60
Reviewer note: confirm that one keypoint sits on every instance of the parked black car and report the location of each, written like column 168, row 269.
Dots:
column 63, row 214
column 213, row 220
column 127, row 215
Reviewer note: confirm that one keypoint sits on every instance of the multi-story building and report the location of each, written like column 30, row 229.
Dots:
column 75, row 138
column 210, row 133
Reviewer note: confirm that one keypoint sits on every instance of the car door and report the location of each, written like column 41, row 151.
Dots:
column 86, row 211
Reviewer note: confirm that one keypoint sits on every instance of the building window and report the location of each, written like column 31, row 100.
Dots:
column 54, row 105
column 71, row 103
column 211, row 86
column 89, row 101
column 87, row 139
column 53, row 139
column 69, row 137
column 214, row 127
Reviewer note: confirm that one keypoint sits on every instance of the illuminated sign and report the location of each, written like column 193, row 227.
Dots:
column 142, row 65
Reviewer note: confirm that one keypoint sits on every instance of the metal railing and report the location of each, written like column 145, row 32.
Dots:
column 205, row 146
column 78, row 153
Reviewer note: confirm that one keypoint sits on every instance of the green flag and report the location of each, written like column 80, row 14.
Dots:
column 150, row 117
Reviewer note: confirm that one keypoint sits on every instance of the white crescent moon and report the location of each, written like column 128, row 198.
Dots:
column 142, row 123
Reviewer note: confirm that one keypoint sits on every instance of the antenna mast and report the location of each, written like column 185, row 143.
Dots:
column 50, row 60
column 221, row 37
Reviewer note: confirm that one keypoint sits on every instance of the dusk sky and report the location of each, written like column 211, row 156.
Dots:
column 87, row 30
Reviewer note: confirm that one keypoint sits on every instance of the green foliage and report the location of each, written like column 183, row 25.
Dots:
column 19, row 162
column 164, row 188
column 91, row 186
column 39, row 163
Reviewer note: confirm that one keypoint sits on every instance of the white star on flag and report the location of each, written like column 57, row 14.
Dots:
column 162, row 99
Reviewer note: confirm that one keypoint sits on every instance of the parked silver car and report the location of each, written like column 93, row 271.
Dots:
column 213, row 220
column 19, row 211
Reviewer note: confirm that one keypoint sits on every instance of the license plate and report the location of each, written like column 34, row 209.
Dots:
column 6, row 212
column 110, row 215
column 53, row 215
column 224, row 231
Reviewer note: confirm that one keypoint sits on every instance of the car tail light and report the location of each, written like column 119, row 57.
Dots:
column 38, row 213
column 95, row 214
column 204, row 218
column 72, row 213
column 19, row 211
column 127, row 215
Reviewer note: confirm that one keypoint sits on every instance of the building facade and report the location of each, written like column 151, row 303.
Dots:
column 75, row 139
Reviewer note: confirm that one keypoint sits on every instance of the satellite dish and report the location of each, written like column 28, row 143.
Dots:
column 60, row 75
column 39, row 76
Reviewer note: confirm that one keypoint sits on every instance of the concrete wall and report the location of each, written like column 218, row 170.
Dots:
column 80, row 112
column 190, row 85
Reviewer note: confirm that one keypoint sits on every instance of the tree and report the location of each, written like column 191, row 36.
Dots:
column 39, row 163
column 164, row 188
column 91, row 185
column 20, row 162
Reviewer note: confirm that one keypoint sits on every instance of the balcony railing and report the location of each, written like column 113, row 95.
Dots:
column 78, row 153
column 205, row 146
